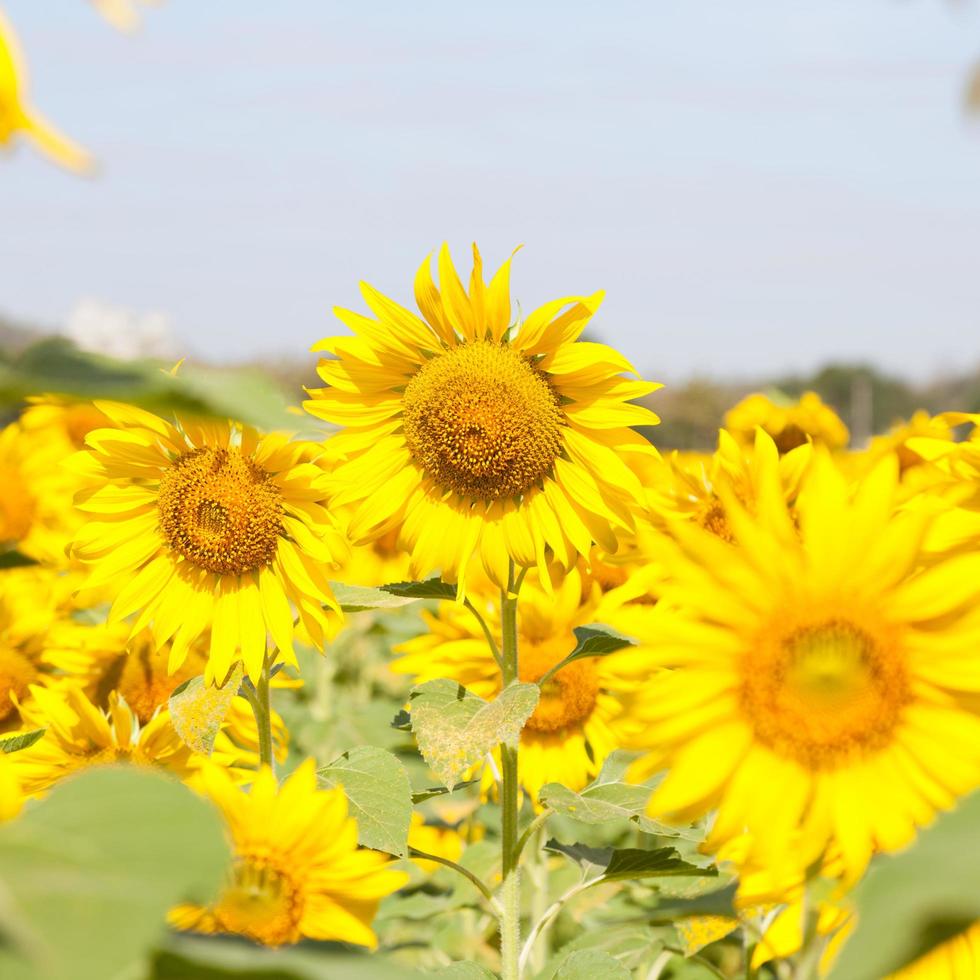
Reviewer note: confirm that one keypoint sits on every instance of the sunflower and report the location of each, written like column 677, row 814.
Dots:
column 36, row 513
column 820, row 691
column 79, row 735
column 585, row 709
column 208, row 524
column 790, row 423
column 473, row 437
column 11, row 795
column 297, row 872
column 16, row 115
column 106, row 662
column 689, row 487
column 956, row 959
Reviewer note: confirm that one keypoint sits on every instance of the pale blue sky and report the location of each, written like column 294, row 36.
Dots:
column 759, row 185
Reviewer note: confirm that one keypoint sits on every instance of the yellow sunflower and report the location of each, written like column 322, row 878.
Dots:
column 820, row 691
column 585, row 710
column 956, row 959
column 11, row 795
column 36, row 513
column 476, row 437
column 208, row 524
column 790, row 423
column 298, row 872
column 17, row 117
column 690, row 487
column 78, row 735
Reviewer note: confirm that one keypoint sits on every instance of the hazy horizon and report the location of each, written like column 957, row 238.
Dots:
column 758, row 189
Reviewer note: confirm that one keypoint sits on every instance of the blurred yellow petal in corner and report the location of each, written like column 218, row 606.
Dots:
column 199, row 525
column 298, row 872
column 956, row 959
column 822, row 695
column 17, row 116
column 477, row 437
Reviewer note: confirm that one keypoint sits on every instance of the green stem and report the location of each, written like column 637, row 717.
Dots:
column 510, row 889
column 534, row 825
column 262, row 709
column 465, row 872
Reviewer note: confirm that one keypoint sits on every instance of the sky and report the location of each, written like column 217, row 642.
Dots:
column 760, row 186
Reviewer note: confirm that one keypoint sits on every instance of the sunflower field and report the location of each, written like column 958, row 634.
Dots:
column 445, row 670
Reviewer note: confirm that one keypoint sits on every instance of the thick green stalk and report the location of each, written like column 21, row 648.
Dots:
column 510, row 889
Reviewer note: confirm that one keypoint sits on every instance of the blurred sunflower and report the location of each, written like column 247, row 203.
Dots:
column 956, row 959
column 819, row 693
column 474, row 437
column 11, row 796
column 585, row 710
column 790, row 423
column 79, row 735
column 298, row 872
column 17, row 117
column 208, row 524
column 36, row 513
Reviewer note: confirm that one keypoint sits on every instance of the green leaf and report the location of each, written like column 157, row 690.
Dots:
column 602, row 802
column 379, row 795
column 631, row 862
column 663, row 862
column 428, row 794
column 402, row 721
column 187, row 957
column 456, row 729
column 593, row 641
column 432, row 588
column 14, row 559
column 591, row 964
column 630, row 943
column 198, row 710
column 359, row 598
column 720, row 902
column 912, row 901
column 464, row 971
column 88, row 873
column 56, row 365
column 22, row 740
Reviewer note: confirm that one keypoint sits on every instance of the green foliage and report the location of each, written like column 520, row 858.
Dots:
column 198, row 710
column 455, row 729
column 196, row 958
column 593, row 641
column 360, row 598
column 57, row 366
column 911, row 902
column 88, row 874
column 591, row 964
column 379, row 796
column 464, row 971
column 14, row 559
column 432, row 588
column 621, row 864
column 21, row 740
column 601, row 802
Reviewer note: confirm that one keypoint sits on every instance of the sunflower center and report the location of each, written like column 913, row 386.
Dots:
column 823, row 693
column 221, row 511
column 16, row 672
column 260, row 902
column 569, row 697
column 712, row 518
column 482, row 421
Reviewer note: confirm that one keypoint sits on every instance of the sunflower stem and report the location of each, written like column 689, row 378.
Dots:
column 262, row 709
column 510, row 889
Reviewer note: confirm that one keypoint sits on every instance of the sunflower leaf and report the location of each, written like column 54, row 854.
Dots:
column 433, row 791
column 603, row 802
column 455, row 729
column 360, row 598
column 379, row 796
column 663, row 862
column 198, row 710
column 588, row 964
column 15, row 559
column 88, row 873
column 432, row 588
column 22, row 740
column 593, row 641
